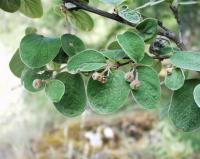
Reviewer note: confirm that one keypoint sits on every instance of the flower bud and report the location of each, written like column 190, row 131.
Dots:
column 37, row 83
column 135, row 84
column 129, row 76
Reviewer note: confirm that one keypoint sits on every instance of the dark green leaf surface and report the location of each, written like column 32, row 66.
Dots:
column 71, row 44
column 187, row 60
column 73, row 101
column 132, row 44
column 31, row 8
column 148, row 29
column 109, row 97
column 149, row 93
column 85, row 61
column 184, row 112
column 55, row 89
column 61, row 58
column 36, row 50
column 175, row 80
column 10, row 5
column 16, row 64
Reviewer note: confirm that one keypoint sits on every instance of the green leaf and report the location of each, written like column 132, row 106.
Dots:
column 115, row 55
column 36, row 50
column 184, row 112
column 27, row 78
column 113, row 2
column 148, row 29
column 61, row 58
column 167, row 50
column 108, row 97
column 196, row 94
column 186, row 60
column 130, row 15
column 114, row 46
column 10, row 5
column 31, row 8
column 16, row 64
column 30, row 30
column 149, row 61
column 55, row 90
column 81, row 20
column 85, row 61
column 73, row 101
column 132, row 44
column 175, row 80
column 149, row 93
column 71, row 44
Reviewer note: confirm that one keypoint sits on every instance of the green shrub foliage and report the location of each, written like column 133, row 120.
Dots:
column 104, row 79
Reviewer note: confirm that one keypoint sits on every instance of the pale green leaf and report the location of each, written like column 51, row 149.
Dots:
column 31, row 8
column 196, row 94
column 85, row 61
column 132, row 44
column 113, row 2
column 36, row 50
column 175, row 80
column 149, row 93
column 108, row 97
column 16, row 64
column 130, row 15
column 55, row 89
column 184, row 112
column 71, row 44
column 186, row 60
column 73, row 102
column 81, row 20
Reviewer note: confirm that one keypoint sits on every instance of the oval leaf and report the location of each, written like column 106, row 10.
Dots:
column 81, row 20
column 187, row 60
column 31, row 8
column 115, row 55
column 10, row 5
column 16, row 65
column 130, row 15
column 175, row 80
column 73, row 101
column 184, row 112
column 37, row 50
column 27, row 78
column 71, row 44
column 132, row 44
column 148, row 29
column 85, row 61
column 149, row 93
column 109, row 97
column 196, row 94
column 55, row 89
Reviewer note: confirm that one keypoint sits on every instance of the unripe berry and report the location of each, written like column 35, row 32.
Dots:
column 129, row 76
column 169, row 70
column 37, row 83
column 135, row 84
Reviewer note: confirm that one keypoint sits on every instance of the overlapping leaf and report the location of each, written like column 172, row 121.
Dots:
column 108, row 97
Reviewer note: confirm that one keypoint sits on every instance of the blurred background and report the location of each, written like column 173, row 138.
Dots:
column 31, row 128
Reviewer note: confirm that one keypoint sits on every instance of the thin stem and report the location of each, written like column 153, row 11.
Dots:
column 161, row 29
